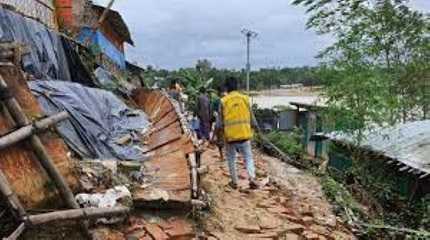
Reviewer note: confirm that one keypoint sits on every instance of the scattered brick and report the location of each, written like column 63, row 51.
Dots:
column 156, row 232
column 264, row 204
column 291, row 236
column 180, row 229
column 248, row 228
column 310, row 235
column 269, row 222
column 294, row 228
column 293, row 219
column 307, row 220
column 138, row 235
column 165, row 224
column 276, row 209
column 320, row 230
column 266, row 235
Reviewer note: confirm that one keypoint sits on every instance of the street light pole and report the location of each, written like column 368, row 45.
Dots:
column 249, row 35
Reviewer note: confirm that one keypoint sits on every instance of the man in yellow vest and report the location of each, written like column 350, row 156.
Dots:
column 236, row 120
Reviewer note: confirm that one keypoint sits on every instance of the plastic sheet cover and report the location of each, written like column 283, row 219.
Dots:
column 46, row 57
column 101, row 126
column 81, row 73
column 104, row 44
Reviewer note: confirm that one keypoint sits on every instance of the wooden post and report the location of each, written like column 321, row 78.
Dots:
column 27, row 131
column 16, row 233
column 12, row 199
column 6, row 54
column 45, row 160
column 21, row 119
column 194, row 175
column 76, row 214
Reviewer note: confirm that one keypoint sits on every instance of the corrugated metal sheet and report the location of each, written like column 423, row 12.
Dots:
column 288, row 120
column 168, row 145
column 408, row 143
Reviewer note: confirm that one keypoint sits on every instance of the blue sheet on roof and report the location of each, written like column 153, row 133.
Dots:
column 101, row 126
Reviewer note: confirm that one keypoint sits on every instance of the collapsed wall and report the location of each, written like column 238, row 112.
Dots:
column 171, row 149
column 167, row 150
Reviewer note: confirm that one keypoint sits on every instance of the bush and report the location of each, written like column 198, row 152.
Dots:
column 288, row 142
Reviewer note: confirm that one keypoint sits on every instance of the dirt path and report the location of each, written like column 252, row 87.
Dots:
column 291, row 206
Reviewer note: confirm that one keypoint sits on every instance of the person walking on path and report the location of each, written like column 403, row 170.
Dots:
column 237, row 118
column 204, row 114
column 218, row 132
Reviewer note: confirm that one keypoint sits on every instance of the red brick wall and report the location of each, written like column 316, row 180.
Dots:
column 64, row 13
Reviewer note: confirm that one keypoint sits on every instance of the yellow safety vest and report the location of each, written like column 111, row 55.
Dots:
column 237, row 117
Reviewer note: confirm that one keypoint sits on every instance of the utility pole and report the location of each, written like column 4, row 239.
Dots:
column 249, row 34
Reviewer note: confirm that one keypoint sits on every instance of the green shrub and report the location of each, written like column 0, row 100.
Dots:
column 288, row 142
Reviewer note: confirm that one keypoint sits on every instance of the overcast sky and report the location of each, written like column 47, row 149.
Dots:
column 176, row 33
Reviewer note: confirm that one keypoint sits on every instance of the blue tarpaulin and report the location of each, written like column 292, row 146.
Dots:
column 46, row 57
column 97, row 38
column 100, row 124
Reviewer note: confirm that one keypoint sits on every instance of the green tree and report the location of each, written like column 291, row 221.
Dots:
column 377, row 71
column 193, row 81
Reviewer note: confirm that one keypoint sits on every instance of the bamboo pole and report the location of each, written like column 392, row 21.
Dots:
column 194, row 175
column 272, row 147
column 45, row 160
column 16, row 233
column 6, row 54
column 21, row 119
column 25, row 132
column 422, row 233
column 76, row 214
column 11, row 197
column 425, row 175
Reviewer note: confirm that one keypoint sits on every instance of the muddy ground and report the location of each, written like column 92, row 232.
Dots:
column 290, row 206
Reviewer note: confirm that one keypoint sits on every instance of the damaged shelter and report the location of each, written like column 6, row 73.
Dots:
column 402, row 150
column 64, row 142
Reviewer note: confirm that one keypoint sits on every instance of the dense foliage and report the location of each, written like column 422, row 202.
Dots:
column 289, row 142
column 378, row 69
column 383, row 191
column 266, row 78
column 377, row 72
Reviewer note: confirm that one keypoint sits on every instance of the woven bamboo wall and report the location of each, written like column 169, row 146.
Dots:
column 41, row 10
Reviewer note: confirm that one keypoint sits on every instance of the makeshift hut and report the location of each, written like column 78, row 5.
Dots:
column 52, row 124
column 404, row 148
